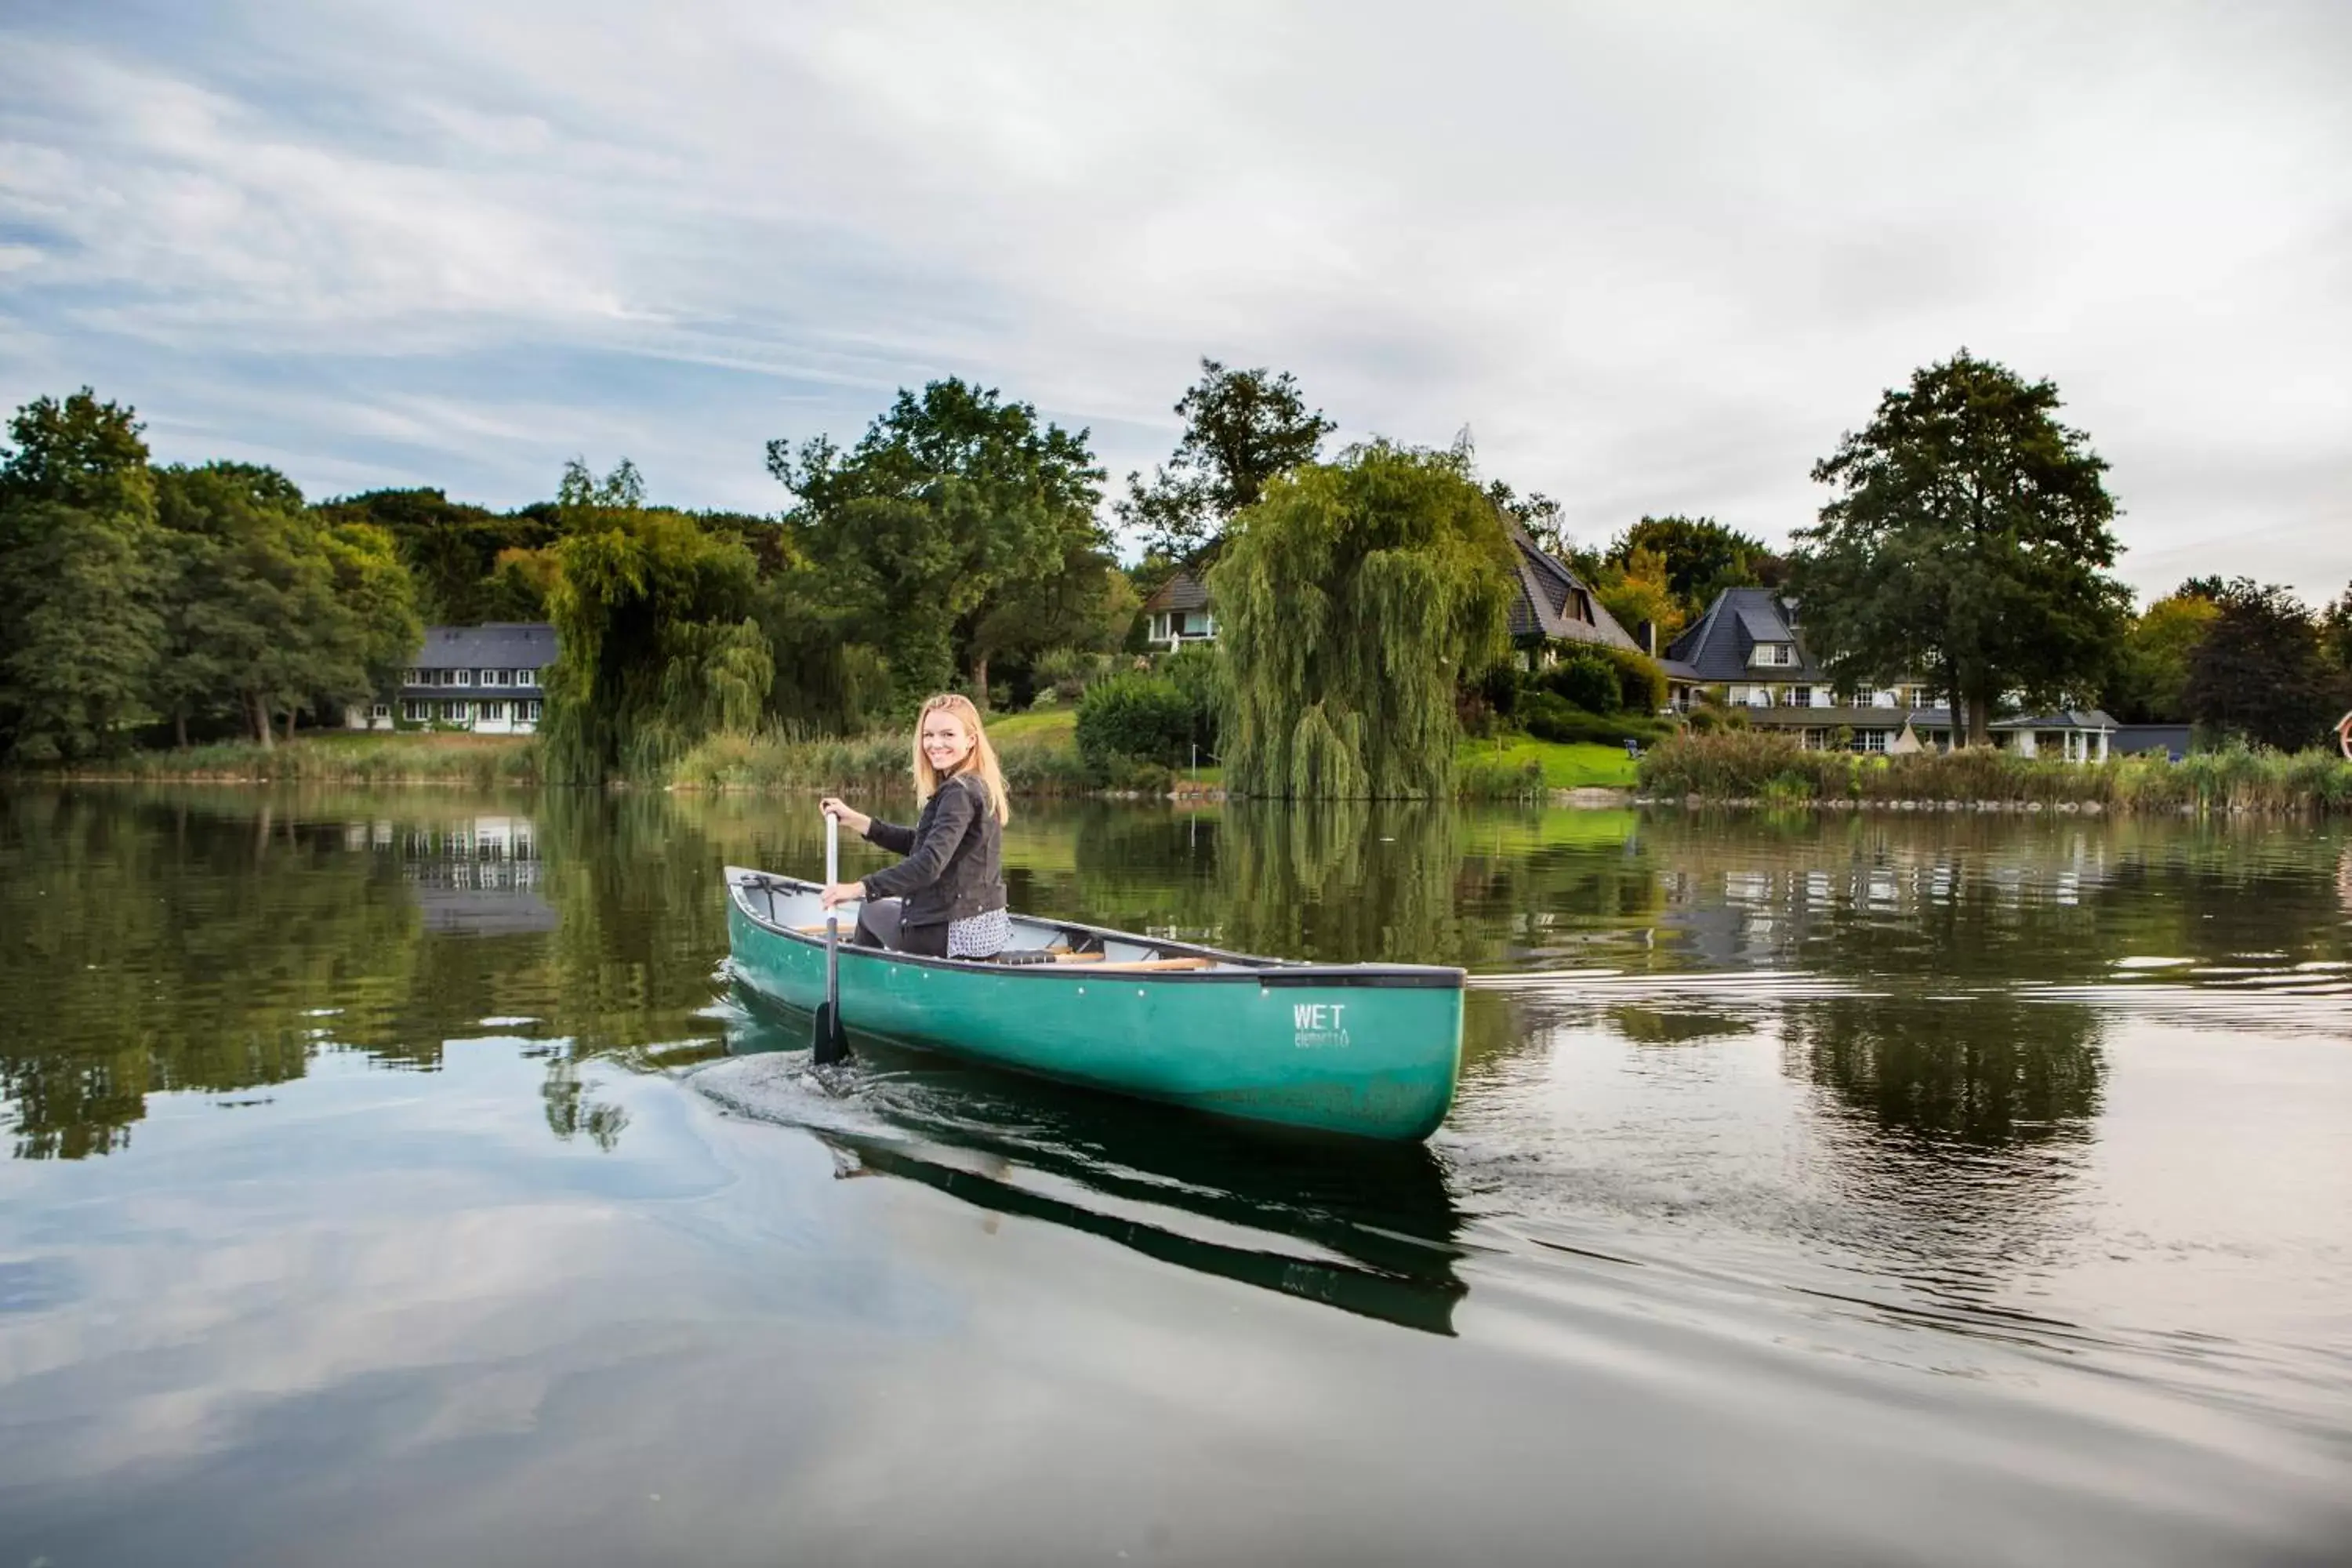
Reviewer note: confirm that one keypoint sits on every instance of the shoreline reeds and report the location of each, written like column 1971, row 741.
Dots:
column 1745, row 767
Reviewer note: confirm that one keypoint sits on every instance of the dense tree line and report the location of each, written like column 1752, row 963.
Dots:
column 957, row 542
column 961, row 541
column 132, row 594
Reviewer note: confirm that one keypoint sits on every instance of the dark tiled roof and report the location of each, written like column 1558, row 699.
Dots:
column 1182, row 591
column 2066, row 718
column 500, row 645
column 1923, row 718
column 1717, row 645
column 2132, row 739
column 1555, row 604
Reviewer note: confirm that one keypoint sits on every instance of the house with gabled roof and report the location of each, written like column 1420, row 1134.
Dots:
column 1746, row 652
column 488, row 678
column 1178, row 614
column 1554, row 606
column 1749, row 652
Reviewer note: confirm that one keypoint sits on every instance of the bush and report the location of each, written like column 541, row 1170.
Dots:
column 1062, row 674
column 1641, row 680
column 1708, row 718
column 1585, row 680
column 1145, row 718
column 1492, row 778
column 1548, row 717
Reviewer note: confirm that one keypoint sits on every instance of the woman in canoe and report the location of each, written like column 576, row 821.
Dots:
column 946, row 898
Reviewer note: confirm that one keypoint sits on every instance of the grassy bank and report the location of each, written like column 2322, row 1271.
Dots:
column 1040, row 753
column 349, row 757
column 1518, row 767
column 1743, row 766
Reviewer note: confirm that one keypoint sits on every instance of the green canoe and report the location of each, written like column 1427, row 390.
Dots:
column 1369, row 1049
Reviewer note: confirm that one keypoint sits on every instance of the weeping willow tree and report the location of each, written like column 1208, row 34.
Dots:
column 1351, row 600
column 658, row 646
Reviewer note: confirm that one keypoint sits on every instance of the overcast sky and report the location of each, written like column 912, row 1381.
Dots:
column 1657, row 257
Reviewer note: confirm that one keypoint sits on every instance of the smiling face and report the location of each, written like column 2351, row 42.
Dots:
column 946, row 741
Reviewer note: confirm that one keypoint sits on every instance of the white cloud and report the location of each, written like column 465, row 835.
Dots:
column 1656, row 256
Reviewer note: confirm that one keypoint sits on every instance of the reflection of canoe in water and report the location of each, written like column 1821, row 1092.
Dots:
column 1369, row 1228
column 1369, row 1049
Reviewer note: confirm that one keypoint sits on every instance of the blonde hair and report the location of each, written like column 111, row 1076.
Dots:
column 981, row 760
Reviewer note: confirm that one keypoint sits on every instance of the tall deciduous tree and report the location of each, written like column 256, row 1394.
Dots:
column 79, row 627
column 2149, row 682
column 953, row 506
column 267, row 608
column 1352, row 598
column 458, row 556
column 1968, row 543
column 1701, row 557
column 1638, row 591
column 1242, row 427
column 2259, row 672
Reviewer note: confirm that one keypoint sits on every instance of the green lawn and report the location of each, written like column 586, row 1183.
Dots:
column 1564, row 767
column 1045, row 725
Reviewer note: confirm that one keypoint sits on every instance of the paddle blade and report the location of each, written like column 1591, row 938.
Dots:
column 826, row 1037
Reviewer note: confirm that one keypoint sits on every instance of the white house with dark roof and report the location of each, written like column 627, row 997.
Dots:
column 1747, row 652
column 1179, row 614
column 487, row 678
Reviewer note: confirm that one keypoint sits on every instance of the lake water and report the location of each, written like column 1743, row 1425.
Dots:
column 396, row 1179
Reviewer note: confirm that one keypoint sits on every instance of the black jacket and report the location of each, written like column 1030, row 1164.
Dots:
column 952, row 868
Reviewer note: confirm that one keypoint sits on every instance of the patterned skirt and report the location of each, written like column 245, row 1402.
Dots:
column 982, row 936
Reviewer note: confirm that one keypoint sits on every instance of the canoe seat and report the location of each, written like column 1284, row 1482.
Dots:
column 1141, row 964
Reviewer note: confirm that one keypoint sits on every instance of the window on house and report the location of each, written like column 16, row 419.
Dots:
column 1773, row 653
column 457, row 712
column 380, row 710
column 412, row 678
column 1801, row 697
column 526, row 678
column 1871, row 740
column 528, row 710
column 494, row 712
column 417, row 710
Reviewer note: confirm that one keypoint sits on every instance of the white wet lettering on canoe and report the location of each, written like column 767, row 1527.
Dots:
column 1318, row 1025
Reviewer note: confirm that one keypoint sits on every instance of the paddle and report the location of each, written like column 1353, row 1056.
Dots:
column 827, row 1040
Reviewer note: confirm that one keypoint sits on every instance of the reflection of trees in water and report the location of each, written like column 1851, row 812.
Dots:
column 155, row 947
column 1984, row 1070
column 1964, row 1130
column 1348, row 880
column 1343, row 880
column 569, row 1111
column 216, row 941
column 1989, row 897
column 1674, row 1025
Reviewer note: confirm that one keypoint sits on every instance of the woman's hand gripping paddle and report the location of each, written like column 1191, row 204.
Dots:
column 827, row 1040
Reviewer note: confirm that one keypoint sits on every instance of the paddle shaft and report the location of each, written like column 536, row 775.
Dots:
column 829, row 1044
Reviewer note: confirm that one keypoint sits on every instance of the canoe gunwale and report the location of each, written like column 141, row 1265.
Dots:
column 1250, row 969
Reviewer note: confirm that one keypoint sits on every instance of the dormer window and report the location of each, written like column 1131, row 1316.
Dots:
column 1773, row 653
